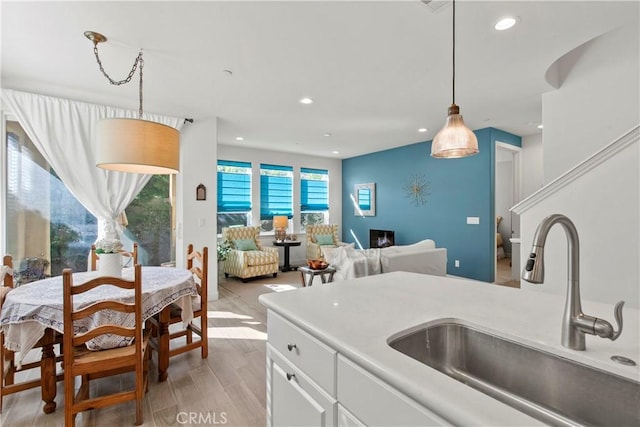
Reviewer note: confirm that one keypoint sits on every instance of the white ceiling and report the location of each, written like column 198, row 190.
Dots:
column 377, row 70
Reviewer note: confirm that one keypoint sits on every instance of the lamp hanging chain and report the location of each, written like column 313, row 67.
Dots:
column 139, row 62
column 453, row 82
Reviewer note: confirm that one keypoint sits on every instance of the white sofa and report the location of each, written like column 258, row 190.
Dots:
column 422, row 257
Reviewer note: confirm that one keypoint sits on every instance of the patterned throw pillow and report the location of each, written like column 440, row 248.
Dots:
column 324, row 239
column 245, row 244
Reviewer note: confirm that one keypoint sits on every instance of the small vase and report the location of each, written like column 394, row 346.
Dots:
column 110, row 265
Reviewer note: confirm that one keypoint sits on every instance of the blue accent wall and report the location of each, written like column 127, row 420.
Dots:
column 458, row 188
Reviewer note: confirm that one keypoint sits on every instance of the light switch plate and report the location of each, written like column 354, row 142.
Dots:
column 475, row 220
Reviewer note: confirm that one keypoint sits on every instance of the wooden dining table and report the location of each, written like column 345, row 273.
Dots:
column 35, row 310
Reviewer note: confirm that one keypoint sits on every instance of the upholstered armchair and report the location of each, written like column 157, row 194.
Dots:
column 248, row 258
column 321, row 236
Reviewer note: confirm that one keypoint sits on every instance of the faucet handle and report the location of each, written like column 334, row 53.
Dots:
column 603, row 329
column 617, row 311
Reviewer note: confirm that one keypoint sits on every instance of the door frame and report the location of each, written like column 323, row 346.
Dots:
column 516, row 169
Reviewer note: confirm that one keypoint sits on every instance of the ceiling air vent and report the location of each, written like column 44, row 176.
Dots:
column 435, row 5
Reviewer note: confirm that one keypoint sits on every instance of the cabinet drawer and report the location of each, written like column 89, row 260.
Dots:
column 307, row 353
column 374, row 402
column 295, row 400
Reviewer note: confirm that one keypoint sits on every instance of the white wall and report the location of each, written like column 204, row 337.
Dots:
column 603, row 205
column 297, row 161
column 532, row 164
column 597, row 102
column 196, row 220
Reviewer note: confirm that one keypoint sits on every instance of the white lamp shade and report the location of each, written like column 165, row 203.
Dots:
column 137, row 146
column 455, row 139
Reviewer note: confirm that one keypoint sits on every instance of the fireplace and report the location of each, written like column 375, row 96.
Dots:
column 381, row 238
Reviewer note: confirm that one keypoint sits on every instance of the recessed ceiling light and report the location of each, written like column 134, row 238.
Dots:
column 423, row 130
column 505, row 23
column 326, row 134
column 239, row 138
column 306, row 100
column 335, row 152
column 540, row 126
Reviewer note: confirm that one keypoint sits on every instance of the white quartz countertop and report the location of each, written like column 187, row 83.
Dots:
column 358, row 317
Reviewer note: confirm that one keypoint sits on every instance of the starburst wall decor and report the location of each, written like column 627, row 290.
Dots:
column 417, row 189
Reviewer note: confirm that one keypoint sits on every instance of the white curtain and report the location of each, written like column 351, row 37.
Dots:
column 63, row 131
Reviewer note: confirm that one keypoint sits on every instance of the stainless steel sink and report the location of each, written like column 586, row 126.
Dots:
column 552, row 389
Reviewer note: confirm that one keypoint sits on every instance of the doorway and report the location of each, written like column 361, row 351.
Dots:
column 507, row 194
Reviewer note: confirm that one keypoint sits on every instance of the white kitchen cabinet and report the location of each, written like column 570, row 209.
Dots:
column 350, row 324
column 347, row 419
column 371, row 401
column 310, row 384
column 294, row 399
column 307, row 353
column 300, row 377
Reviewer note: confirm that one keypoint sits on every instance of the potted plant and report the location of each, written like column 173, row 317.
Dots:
column 110, row 260
column 224, row 247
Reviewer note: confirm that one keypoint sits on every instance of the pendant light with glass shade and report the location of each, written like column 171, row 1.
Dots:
column 134, row 145
column 455, row 139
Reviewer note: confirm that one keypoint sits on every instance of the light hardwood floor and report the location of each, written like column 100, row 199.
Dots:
column 503, row 274
column 228, row 388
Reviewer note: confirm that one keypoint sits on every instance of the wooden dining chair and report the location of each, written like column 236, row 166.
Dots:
column 197, row 263
column 9, row 366
column 95, row 257
column 90, row 365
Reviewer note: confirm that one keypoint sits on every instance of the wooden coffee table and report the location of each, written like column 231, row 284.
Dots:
column 307, row 274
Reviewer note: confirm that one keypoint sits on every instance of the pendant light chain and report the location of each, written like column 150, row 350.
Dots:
column 453, row 90
column 139, row 62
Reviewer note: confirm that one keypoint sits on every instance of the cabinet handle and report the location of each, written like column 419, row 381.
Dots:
column 290, row 376
column 291, row 346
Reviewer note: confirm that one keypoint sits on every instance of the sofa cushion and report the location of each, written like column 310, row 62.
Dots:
column 421, row 245
column 255, row 258
column 245, row 244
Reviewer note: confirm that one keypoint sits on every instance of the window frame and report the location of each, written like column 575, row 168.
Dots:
column 306, row 195
column 246, row 181
column 281, row 178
